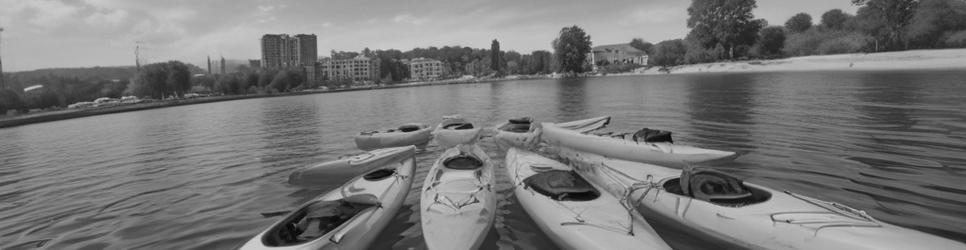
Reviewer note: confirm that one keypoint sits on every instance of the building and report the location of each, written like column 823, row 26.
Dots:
column 284, row 51
column 255, row 64
column 617, row 54
column 307, row 49
column 424, row 69
column 358, row 69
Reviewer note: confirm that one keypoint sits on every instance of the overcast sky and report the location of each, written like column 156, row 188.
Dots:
column 86, row 33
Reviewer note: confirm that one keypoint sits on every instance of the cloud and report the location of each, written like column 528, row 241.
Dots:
column 327, row 24
column 51, row 13
column 410, row 19
column 652, row 15
column 107, row 17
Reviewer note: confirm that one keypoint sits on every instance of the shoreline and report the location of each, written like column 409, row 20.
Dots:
column 940, row 59
column 64, row 114
column 903, row 60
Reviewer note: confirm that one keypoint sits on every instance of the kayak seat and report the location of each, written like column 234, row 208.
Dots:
column 312, row 221
column 517, row 128
column 408, row 128
column 459, row 126
column 379, row 174
column 463, row 162
column 652, row 135
column 717, row 188
column 562, row 186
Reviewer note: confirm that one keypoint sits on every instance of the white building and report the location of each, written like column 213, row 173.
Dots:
column 424, row 69
column 358, row 69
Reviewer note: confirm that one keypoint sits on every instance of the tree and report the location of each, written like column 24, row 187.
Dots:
column 495, row 55
column 894, row 16
column 934, row 22
column 835, row 19
column 729, row 23
column 9, row 100
column 642, row 45
column 158, row 80
column 668, row 53
column 771, row 41
column 799, row 23
column 571, row 49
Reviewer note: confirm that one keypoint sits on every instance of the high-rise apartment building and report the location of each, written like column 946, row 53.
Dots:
column 284, row 51
column 308, row 51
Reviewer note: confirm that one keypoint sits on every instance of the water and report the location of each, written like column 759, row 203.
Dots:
column 198, row 177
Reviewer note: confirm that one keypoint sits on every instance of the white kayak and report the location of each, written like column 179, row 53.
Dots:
column 661, row 153
column 407, row 134
column 573, row 213
column 337, row 170
column 458, row 202
column 521, row 132
column 746, row 215
column 349, row 217
column 455, row 130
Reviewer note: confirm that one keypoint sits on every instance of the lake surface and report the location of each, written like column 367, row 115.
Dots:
column 198, row 177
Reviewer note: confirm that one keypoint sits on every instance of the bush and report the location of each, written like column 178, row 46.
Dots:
column 668, row 53
column 697, row 54
column 848, row 43
column 823, row 42
column 957, row 39
column 9, row 100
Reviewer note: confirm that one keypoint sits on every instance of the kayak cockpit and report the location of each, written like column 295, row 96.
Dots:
column 716, row 187
column 517, row 125
column 458, row 126
column 463, row 162
column 652, row 136
column 562, row 186
column 317, row 219
column 409, row 128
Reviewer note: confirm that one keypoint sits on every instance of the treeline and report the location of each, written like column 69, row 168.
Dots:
column 727, row 30
column 252, row 82
column 57, row 91
column 457, row 61
column 171, row 79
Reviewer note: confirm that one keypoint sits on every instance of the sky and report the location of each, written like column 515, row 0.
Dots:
column 88, row 33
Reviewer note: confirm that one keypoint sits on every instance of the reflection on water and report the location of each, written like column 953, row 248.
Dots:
column 199, row 177
column 571, row 99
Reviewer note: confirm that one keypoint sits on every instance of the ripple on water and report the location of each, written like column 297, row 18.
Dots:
column 199, row 176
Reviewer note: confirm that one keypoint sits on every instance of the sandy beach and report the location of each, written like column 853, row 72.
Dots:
column 902, row 60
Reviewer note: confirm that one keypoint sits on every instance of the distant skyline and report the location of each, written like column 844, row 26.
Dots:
column 88, row 33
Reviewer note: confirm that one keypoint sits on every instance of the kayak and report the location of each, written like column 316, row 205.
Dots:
column 458, row 202
column 337, row 170
column 661, row 153
column 455, row 130
column 520, row 132
column 745, row 215
column 349, row 217
column 573, row 213
column 408, row 134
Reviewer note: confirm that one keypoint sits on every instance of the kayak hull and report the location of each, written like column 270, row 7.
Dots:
column 419, row 138
column 363, row 228
column 783, row 221
column 448, row 137
column 665, row 154
column 457, row 206
column 529, row 139
column 606, row 219
column 337, row 170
